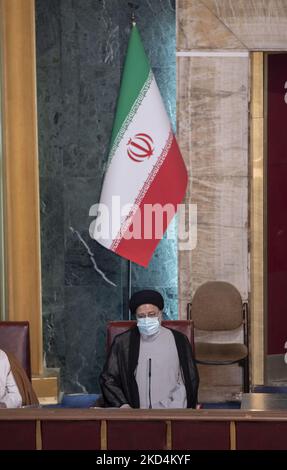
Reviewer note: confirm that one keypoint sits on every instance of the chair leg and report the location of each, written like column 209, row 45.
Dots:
column 246, row 375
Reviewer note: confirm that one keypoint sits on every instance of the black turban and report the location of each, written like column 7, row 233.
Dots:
column 146, row 297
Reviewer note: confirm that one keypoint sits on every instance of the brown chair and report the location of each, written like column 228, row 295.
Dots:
column 14, row 338
column 117, row 327
column 217, row 306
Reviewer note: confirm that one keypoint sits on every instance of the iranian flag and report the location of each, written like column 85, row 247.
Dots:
column 146, row 177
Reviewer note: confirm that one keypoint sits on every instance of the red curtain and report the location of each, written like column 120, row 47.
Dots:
column 277, row 203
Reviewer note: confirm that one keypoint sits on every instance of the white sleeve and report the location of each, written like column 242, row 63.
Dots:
column 11, row 397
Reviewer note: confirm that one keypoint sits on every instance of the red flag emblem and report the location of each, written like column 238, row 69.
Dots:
column 140, row 147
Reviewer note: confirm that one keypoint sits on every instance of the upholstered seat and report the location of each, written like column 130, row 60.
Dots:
column 217, row 307
column 223, row 353
column 14, row 338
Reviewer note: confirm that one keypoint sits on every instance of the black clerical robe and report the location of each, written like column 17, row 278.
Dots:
column 118, row 382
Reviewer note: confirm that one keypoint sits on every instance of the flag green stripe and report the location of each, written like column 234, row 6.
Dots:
column 136, row 71
column 129, row 118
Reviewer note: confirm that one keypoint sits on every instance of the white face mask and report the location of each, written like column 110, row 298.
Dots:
column 148, row 326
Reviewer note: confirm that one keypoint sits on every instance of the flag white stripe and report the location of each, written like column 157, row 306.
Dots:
column 146, row 186
column 130, row 116
column 122, row 168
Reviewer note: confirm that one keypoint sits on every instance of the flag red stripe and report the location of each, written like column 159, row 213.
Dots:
column 168, row 187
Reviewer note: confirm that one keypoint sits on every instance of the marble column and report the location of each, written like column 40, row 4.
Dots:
column 81, row 47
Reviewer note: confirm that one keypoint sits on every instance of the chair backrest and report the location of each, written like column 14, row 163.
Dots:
column 183, row 326
column 14, row 338
column 217, row 306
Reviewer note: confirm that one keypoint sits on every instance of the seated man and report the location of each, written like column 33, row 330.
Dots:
column 15, row 387
column 150, row 366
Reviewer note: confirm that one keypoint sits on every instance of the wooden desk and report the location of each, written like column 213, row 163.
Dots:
column 264, row 401
column 126, row 429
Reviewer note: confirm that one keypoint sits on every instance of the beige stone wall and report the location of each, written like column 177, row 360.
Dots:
column 232, row 24
column 213, row 135
column 213, row 95
column 215, row 44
